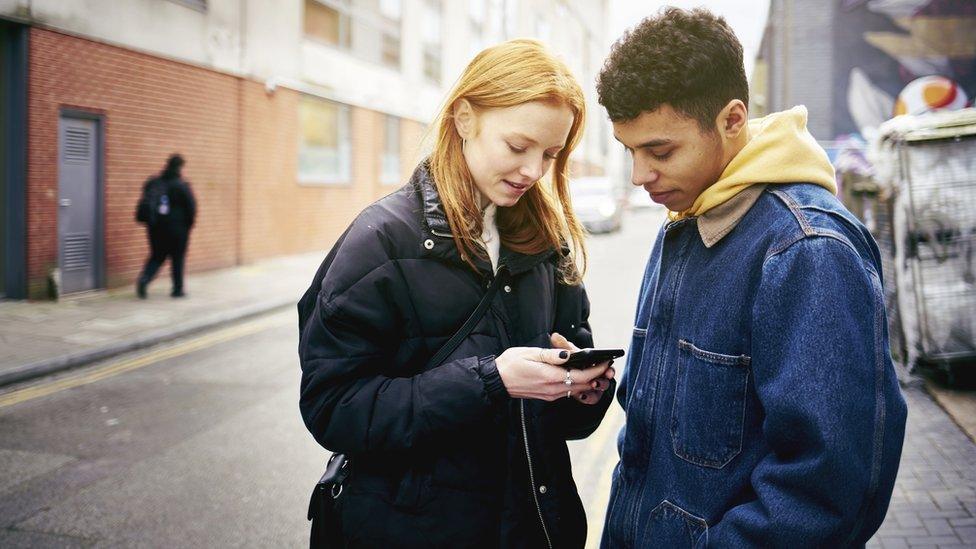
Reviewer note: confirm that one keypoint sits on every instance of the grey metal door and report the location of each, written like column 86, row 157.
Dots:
column 77, row 203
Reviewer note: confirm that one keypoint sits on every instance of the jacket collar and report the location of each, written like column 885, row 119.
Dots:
column 719, row 221
column 439, row 231
column 435, row 218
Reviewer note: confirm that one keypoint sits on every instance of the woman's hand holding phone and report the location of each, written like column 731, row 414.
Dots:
column 598, row 385
column 533, row 372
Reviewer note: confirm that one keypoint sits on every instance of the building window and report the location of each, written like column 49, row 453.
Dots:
column 370, row 29
column 330, row 23
column 325, row 152
column 199, row 5
column 390, row 170
column 432, row 40
column 390, row 12
column 391, row 50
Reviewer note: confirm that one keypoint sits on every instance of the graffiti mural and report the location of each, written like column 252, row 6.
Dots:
column 902, row 56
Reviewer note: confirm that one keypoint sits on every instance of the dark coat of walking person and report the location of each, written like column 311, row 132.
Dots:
column 469, row 452
column 168, row 209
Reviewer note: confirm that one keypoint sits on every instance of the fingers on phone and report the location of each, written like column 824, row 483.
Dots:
column 589, row 397
column 559, row 341
column 601, row 384
column 556, row 356
column 593, row 372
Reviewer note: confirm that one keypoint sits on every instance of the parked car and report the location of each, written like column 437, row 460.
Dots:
column 598, row 203
column 638, row 198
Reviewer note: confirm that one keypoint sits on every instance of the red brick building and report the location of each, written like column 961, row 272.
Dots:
column 292, row 117
column 240, row 143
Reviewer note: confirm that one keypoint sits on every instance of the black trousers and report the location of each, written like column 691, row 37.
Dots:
column 165, row 243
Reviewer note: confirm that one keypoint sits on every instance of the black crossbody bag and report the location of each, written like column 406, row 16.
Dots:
column 321, row 506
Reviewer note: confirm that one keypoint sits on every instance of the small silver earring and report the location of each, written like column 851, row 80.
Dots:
column 464, row 144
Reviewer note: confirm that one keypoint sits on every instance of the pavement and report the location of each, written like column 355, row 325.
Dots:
column 41, row 338
column 933, row 504
column 958, row 401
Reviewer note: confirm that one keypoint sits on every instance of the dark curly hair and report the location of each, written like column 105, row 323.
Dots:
column 691, row 61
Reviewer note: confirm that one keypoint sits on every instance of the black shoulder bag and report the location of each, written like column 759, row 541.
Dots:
column 321, row 507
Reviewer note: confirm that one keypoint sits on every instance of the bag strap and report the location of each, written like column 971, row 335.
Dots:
column 409, row 492
column 469, row 324
column 337, row 469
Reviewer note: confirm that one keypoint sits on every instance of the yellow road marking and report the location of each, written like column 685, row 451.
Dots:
column 595, row 444
column 597, row 508
column 129, row 364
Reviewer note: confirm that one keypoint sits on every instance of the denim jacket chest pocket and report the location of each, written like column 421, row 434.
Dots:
column 708, row 415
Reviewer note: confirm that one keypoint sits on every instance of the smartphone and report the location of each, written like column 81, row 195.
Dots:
column 588, row 357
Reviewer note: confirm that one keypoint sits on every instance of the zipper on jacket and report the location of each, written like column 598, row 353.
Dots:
column 435, row 233
column 503, row 333
column 528, row 458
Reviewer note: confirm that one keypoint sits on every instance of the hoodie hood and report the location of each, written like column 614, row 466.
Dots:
column 780, row 150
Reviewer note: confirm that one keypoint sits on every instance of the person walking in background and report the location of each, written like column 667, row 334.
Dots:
column 762, row 405
column 168, row 209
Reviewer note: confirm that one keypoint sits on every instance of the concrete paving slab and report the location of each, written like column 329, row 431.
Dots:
column 40, row 338
column 18, row 466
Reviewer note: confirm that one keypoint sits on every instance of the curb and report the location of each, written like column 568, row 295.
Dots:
column 66, row 362
column 958, row 412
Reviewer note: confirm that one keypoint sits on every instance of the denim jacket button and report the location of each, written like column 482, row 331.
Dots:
column 429, row 244
column 543, row 489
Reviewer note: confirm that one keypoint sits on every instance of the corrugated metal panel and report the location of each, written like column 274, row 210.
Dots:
column 77, row 145
column 77, row 252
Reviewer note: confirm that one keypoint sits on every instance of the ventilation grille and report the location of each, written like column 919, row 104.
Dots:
column 77, row 144
column 77, row 252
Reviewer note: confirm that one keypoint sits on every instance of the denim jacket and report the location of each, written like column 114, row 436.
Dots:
column 762, row 406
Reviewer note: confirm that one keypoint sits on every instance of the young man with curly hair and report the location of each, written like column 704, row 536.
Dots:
column 762, row 406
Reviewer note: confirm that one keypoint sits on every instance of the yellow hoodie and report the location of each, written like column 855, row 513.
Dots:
column 780, row 150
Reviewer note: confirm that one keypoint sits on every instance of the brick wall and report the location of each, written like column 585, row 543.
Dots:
column 151, row 107
column 281, row 216
column 241, row 145
column 240, row 142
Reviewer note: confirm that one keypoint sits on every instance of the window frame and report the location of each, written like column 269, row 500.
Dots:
column 394, row 123
column 344, row 145
column 429, row 49
column 341, row 7
column 389, row 29
column 197, row 5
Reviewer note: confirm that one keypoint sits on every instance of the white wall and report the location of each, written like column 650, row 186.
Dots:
column 263, row 39
column 13, row 8
column 163, row 27
column 272, row 39
column 373, row 86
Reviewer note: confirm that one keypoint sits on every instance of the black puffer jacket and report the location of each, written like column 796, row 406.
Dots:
column 439, row 456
